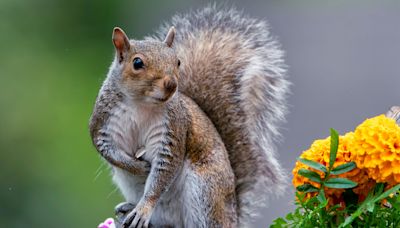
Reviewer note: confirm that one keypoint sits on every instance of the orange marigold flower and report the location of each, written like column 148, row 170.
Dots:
column 376, row 148
column 319, row 152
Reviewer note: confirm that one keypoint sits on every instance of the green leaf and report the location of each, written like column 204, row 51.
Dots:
column 343, row 168
column 334, row 208
column 310, row 175
column 378, row 189
column 388, row 193
column 347, row 221
column 313, row 164
column 334, row 147
column 306, row 188
column 395, row 202
column 370, row 207
column 299, row 195
column 289, row 217
column 368, row 201
column 278, row 223
column 340, row 183
column 321, row 197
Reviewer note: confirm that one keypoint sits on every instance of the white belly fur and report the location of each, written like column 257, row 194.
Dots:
column 130, row 186
column 172, row 205
column 129, row 127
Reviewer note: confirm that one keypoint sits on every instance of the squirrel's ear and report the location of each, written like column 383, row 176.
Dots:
column 169, row 39
column 121, row 42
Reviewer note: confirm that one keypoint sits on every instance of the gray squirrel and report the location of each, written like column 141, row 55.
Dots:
column 187, row 119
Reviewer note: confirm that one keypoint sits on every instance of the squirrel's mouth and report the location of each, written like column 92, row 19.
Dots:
column 161, row 99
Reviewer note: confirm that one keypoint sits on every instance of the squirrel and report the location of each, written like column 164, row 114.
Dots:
column 141, row 117
column 188, row 121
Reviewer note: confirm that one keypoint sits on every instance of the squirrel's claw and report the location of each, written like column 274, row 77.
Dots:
column 137, row 218
column 140, row 152
column 122, row 208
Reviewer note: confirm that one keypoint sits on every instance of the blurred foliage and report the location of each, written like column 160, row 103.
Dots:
column 54, row 56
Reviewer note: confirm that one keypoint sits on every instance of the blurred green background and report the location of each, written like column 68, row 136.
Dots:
column 54, row 55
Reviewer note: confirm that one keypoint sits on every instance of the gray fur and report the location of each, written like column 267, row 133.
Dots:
column 234, row 70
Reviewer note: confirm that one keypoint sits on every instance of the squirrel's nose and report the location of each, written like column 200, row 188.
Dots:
column 170, row 84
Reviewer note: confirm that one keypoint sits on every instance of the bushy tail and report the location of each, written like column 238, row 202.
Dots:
column 233, row 69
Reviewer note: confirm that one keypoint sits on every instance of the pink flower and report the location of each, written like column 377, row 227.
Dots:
column 109, row 223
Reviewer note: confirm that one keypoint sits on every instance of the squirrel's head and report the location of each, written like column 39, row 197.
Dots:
column 148, row 70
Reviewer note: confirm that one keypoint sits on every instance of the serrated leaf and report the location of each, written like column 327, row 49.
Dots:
column 306, row 188
column 340, row 183
column 310, row 175
column 343, row 168
column 313, row 164
column 334, row 147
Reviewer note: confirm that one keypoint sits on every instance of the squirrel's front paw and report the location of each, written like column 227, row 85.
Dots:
column 123, row 209
column 139, row 153
column 138, row 217
column 141, row 168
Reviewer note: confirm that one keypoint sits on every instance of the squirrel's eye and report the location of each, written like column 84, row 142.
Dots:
column 138, row 63
column 179, row 62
